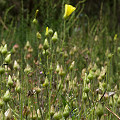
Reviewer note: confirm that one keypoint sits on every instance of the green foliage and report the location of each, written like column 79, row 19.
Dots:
column 55, row 68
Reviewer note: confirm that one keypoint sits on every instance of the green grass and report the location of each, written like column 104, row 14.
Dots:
column 73, row 74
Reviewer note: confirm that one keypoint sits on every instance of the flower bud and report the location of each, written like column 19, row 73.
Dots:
column 57, row 68
column 87, row 81
column 52, row 110
column 1, row 103
column 3, row 42
column 46, row 83
column 12, row 51
column 72, row 65
column 71, row 52
column 26, row 111
column 46, row 52
column 1, row 47
column 34, row 115
column 110, row 55
column 118, row 101
column 65, row 54
column 99, row 110
column 10, row 82
column 4, row 49
column 37, row 90
column 57, row 116
column 46, row 44
column 61, row 71
column 66, row 111
column 27, row 45
column 14, row 77
column 40, row 47
column 27, row 69
column 86, row 89
column 7, row 69
column 68, row 78
column 30, row 49
column 18, row 87
column 70, row 85
column 84, row 96
column 115, row 37
column 97, row 72
column 75, row 49
column 39, row 115
column 1, row 115
column 100, row 78
column 106, row 96
column 51, row 67
column 8, row 114
column 101, row 86
column 6, row 96
column 2, row 70
column 115, row 98
column 58, row 49
column 48, row 32
column 38, row 35
column 90, row 76
column 15, row 47
column 104, row 85
column 8, row 58
column 118, row 49
column 94, row 68
column 16, row 65
column 55, row 37
column 36, row 13
column 35, row 21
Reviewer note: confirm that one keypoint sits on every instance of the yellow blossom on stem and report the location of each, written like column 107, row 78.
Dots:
column 69, row 9
column 36, row 13
column 46, row 33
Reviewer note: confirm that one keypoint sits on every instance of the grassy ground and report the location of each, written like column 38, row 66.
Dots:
column 66, row 69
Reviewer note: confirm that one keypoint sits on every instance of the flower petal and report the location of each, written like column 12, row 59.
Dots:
column 69, row 9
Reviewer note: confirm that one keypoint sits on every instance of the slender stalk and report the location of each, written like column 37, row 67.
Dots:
column 0, row 84
column 39, row 107
column 21, row 108
column 112, row 112
column 64, row 37
column 50, row 92
column 19, row 105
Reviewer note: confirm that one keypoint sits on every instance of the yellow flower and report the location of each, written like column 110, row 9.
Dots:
column 69, row 9
column 46, row 33
column 36, row 13
column 115, row 37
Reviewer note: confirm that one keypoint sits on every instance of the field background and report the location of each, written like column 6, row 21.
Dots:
column 71, row 71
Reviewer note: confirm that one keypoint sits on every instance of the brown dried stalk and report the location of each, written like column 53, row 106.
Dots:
column 112, row 113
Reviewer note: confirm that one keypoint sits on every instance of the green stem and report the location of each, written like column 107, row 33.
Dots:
column 21, row 105
column 39, row 106
column 50, row 88
column 0, row 84
column 64, row 37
